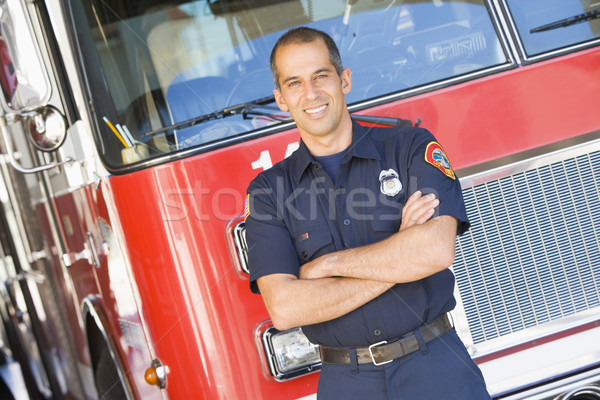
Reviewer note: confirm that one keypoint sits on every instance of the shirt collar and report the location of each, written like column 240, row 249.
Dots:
column 361, row 147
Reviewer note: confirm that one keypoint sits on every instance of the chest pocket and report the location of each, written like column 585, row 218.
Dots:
column 313, row 243
column 386, row 219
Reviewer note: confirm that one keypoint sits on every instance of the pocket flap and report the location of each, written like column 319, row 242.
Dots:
column 310, row 242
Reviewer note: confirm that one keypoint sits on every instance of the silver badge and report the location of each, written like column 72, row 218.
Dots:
column 390, row 182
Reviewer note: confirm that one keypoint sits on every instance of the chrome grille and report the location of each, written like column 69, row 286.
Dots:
column 532, row 254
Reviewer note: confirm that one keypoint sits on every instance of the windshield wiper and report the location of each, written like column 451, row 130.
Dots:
column 588, row 16
column 386, row 121
column 244, row 109
column 254, row 107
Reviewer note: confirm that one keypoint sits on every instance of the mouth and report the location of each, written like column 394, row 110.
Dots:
column 316, row 110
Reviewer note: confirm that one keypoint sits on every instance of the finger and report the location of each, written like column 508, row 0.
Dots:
column 411, row 203
column 419, row 211
column 425, row 210
column 413, row 199
column 424, row 216
column 417, row 202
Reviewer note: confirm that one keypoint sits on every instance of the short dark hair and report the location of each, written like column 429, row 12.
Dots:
column 306, row 35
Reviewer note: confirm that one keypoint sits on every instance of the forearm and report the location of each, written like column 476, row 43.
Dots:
column 406, row 256
column 293, row 302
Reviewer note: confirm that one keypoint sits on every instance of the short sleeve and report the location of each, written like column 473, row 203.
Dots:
column 270, row 248
column 430, row 167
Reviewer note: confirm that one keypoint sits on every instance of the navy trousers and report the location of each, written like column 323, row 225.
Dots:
column 443, row 370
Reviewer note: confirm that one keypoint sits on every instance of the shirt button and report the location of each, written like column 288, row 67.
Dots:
column 304, row 254
column 340, row 189
column 346, row 222
column 377, row 332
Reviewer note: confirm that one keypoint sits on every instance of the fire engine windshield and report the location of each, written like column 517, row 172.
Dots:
column 166, row 76
column 548, row 25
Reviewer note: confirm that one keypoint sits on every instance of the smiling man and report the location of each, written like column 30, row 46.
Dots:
column 351, row 238
column 311, row 91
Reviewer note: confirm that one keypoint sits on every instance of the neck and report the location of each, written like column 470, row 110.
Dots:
column 332, row 143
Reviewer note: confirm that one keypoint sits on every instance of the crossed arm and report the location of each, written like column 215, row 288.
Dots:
column 337, row 283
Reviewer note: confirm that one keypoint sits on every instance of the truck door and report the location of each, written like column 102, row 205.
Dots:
column 38, row 293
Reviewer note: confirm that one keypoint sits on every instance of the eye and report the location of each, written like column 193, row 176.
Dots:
column 293, row 84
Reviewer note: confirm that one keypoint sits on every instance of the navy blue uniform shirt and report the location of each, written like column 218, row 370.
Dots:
column 297, row 213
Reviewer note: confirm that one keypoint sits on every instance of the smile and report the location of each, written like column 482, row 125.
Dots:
column 316, row 110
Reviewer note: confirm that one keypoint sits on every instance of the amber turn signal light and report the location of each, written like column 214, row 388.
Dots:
column 156, row 374
column 151, row 376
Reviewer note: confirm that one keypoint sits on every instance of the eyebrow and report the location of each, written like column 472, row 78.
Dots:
column 291, row 78
column 324, row 69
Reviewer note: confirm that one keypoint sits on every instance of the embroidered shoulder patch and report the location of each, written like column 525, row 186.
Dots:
column 435, row 155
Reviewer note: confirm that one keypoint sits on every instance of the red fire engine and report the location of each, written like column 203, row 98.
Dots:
column 131, row 129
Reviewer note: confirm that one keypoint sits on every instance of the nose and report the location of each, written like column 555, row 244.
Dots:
column 312, row 91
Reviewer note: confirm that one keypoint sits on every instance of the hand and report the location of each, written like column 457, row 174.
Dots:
column 317, row 268
column 418, row 209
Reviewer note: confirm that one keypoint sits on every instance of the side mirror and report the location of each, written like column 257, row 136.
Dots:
column 46, row 128
column 25, row 89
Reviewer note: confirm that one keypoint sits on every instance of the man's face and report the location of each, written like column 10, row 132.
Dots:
column 310, row 88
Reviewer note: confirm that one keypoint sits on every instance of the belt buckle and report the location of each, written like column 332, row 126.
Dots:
column 373, row 356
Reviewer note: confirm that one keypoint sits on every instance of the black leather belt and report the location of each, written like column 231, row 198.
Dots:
column 384, row 352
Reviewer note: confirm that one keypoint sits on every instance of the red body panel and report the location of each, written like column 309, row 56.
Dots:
column 199, row 312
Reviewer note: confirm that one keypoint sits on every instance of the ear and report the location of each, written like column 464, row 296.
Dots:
column 346, row 81
column 279, row 100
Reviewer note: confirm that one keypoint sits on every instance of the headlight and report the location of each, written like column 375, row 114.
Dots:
column 287, row 354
